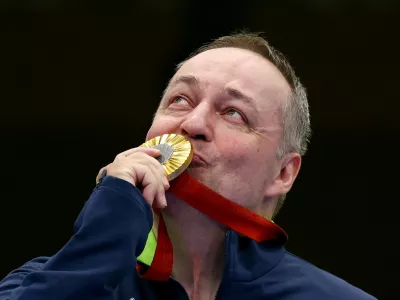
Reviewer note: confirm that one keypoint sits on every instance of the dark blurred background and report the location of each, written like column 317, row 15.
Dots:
column 79, row 82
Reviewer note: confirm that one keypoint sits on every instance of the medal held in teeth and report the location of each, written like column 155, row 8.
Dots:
column 176, row 153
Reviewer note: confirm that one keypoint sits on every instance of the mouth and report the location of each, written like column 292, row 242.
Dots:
column 197, row 161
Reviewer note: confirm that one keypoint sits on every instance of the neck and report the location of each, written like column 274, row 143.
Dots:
column 198, row 244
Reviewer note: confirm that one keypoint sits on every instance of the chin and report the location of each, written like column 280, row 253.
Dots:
column 194, row 172
column 200, row 174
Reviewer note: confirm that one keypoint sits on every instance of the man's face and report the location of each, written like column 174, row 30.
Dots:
column 228, row 102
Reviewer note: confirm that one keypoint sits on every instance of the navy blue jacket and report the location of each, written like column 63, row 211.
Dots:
column 99, row 262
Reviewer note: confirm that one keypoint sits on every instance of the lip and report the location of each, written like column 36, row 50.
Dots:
column 197, row 160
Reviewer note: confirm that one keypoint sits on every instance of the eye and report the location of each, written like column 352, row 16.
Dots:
column 233, row 113
column 179, row 100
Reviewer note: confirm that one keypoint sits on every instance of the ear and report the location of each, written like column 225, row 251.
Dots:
column 290, row 167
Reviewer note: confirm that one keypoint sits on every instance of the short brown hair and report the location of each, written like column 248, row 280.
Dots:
column 295, row 112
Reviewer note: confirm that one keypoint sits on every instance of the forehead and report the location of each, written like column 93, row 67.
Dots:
column 238, row 68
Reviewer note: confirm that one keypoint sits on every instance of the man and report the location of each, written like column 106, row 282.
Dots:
column 246, row 114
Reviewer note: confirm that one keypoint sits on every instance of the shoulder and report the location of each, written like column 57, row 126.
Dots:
column 35, row 264
column 316, row 283
column 15, row 278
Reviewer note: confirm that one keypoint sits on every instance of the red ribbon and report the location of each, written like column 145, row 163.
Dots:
column 217, row 207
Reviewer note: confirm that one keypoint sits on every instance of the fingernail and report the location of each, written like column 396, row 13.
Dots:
column 166, row 183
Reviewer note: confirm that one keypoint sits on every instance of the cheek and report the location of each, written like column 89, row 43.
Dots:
column 244, row 156
column 236, row 150
column 162, row 125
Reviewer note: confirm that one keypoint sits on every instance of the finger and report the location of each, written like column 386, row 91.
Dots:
column 138, row 172
column 149, row 193
column 99, row 175
column 159, row 172
column 154, row 164
column 149, row 182
column 165, row 182
column 149, row 151
column 145, row 171
column 151, row 162
column 160, row 200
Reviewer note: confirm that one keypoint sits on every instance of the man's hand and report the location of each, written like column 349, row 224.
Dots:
column 139, row 167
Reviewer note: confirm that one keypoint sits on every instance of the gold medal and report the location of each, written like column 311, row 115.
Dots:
column 176, row 153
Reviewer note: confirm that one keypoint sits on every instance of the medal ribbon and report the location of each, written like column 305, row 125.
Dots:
column 217, row 207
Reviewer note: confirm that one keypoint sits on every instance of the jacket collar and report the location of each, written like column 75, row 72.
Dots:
column 247, row 260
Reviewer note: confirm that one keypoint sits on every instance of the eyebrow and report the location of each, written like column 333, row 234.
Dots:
column 236, row 94
column 187, row 79
column 232, row 92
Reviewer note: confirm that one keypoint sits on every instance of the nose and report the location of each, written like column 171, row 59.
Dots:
column 197, row 124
